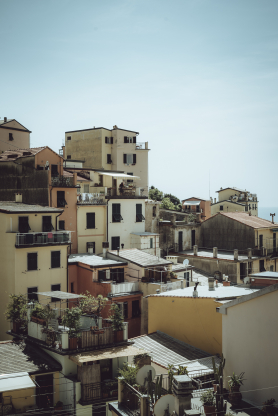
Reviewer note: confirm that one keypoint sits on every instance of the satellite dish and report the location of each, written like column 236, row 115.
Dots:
column 143, row 374
column 166, row 402
column 186, row 262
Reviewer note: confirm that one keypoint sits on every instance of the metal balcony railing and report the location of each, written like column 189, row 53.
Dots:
column 99, row 391
column 40, row 238
column 141, row 146
column 125, row 287
column 62, row 181
column 91, row 198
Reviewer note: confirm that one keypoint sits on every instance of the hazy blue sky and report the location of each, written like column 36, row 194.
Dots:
column 196, row 78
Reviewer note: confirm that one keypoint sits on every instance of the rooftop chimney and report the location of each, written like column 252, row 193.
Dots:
column 5, row 119
column 236, row 254
column 214, row 252
column 18, row 197
column 195, row 250
column 211, row 283
column 182, row 391
column 105, row 246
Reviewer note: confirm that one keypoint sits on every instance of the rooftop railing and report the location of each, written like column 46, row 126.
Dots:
column 91, row 199
column 62, row 181
column 40, row 238
column 125, row 287
column 95, row 392
column 141, row 146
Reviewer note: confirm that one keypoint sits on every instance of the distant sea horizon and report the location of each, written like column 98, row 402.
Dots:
column 265, row 211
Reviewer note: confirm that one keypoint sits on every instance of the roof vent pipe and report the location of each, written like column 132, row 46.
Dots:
column 211, row 283
column 214, row 250
column 236, row 255
column 105, row 246
column 5, row 119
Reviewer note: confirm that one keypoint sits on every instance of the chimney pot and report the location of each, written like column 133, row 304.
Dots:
column 214, row 251
column 5, row 119
column 236, row 254
column 195, row 250
column 18, row 197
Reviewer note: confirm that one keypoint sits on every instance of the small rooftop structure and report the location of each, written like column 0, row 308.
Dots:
column 10, row 155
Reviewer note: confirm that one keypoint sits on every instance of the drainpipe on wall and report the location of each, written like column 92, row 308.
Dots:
column 57, row 220
column 107, row 220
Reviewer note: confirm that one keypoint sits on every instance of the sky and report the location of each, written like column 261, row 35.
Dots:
column 196, row 78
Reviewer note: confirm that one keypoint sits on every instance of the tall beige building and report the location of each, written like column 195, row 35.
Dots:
column 13, row 135
column 116, row 149
column 234, row 199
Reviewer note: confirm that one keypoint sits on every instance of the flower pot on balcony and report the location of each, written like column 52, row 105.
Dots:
column 73, row 343
column 235, row 396
column 209, row 410
column 16, row 327
column 118, row 336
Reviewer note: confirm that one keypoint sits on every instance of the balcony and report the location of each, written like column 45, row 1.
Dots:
column 98, row 392
column 91, row 199
column 141, row 146
column 39, row 239
column 62, row 182
column 125, row 287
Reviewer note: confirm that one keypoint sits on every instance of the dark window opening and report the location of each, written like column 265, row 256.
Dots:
column 103, row 275
column 11, row 136
column 109, row 160
column 91, row 247
column 90, row 220
column 44, row 391
column 61, row 202
column 116, row 213
column 61, row 225
column 125, row 310
column 55, row 288
column 134, row 159
column 262, row 269
column 249, row 267
column 115, row 243
column 221, row 208
column 47, row 223
column 117, row 275
column 134, row 139
column 54, row 170
column 55, row 259
column 154, row 211
column 69, row 138
column 40, row 167
column 139, row 216
column 261, row 240
column 23, row 225
column 109, row 140
column 186, row 277
column 32, row 295
column 72, row 287
column 135, row 308
column 32, row 261
column 151, row 242
column 130, row 180
column 68, row 156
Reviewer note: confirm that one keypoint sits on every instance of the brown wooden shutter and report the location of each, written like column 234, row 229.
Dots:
column 125, row 139
column 124, row 158
column 134, row 139
column 134, row 158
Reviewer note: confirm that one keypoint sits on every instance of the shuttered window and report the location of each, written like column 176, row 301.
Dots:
column 47, row 223
column 90, row 220
column 32, row 261
column 116, row 213
column 61, row 202
column 32, row 295
column 23, row 225
column 139, row 216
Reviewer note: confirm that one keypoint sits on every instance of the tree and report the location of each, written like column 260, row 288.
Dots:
column 155, row 194
column 173, row 199
column 167, row 204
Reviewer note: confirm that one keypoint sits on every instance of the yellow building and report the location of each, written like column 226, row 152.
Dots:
column 33, row 255
column 29, row 379
column 115, row 149
column 234, row 199
column 13, row 135
column 91, row 227
column 190, row 319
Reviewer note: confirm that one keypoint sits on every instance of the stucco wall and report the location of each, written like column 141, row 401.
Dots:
column 250, row 336
column 21, row 138
column 191, row 320
column 227, row 207
column 97, row 234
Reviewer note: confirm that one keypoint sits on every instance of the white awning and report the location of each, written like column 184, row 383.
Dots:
column 192, row 202
column 118, row 175
column 16, row 381
column 60, row 295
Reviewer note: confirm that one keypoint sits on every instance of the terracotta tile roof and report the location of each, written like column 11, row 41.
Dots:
column 250, row 220
column 15, row 154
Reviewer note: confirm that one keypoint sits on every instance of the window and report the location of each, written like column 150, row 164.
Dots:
column 86, row 188
column 54, row 170
column 139, row 216
column 61, row 202
column 117, row 275
column 68, row 156
column 129, row 158
column 151, row 242
column 109, row 140
column 61, row 224
column 55, row 259
column 32, row 261
column 69, row 138
column 103, row 275
column 32, row 295
column 221, row 207
column 23, row 225
column 271, row 268
column 109, row 160
column 11, row 136
column 55, row 288
column 154, row 211
column 72, row 287
column 115, row 243
column 130, row 180
column 90, row 247
column 47, row 223
column 261, row 240
column 116, row 213
column 129, row 139
column 125, row 311
column 262, row 269
column 135, row 308
column 90, row 220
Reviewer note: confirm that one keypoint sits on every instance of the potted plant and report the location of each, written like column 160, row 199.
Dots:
column 51, row 336
column 235, row 381
column 90, row 305
column 71, row 319
column 38, row 314
column 208, row 400
column 17, row 311
column 268, row 408
column 117, row 322
column 142, row 359
column 58, row 406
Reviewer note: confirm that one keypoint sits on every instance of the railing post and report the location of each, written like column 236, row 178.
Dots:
column 144, row 405
column 120, row 389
